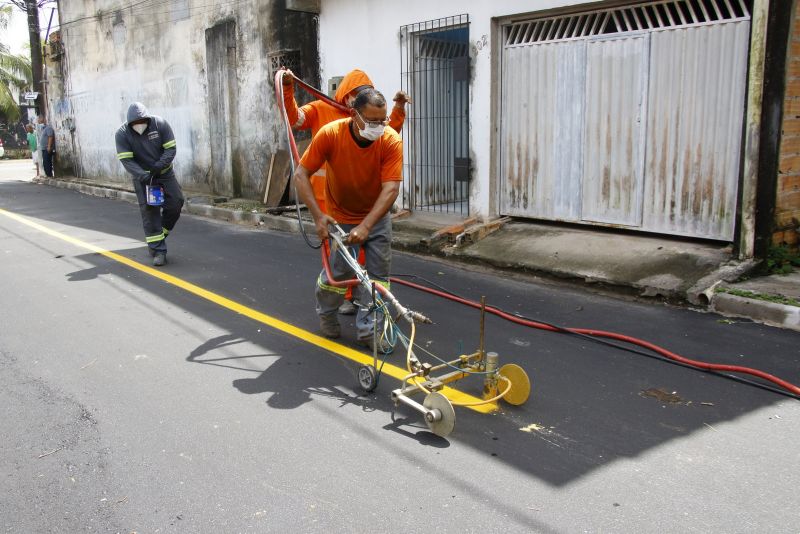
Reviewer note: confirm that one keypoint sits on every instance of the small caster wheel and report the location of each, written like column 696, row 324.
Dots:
column 441, row 418
column 367, row 378
column 520, row 384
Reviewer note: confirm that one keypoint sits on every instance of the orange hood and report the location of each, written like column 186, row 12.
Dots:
column 354, row 78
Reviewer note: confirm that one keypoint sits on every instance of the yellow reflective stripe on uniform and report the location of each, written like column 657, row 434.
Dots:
column 166, row 232
column 154, row 238
column 166, row 169
column 124, row 155
column 333, row 289
column 169, row 144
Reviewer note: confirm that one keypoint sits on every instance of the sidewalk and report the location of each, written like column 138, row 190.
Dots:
column 700, row 274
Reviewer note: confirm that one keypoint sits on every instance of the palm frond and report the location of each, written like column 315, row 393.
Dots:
column 7, row 104
column 17, row 66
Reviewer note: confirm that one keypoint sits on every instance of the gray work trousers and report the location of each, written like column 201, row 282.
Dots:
column 158, row 221
column 378, row 254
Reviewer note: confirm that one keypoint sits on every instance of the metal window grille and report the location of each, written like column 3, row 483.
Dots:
column 652, row 16
column 435, row 72
column 286, row 58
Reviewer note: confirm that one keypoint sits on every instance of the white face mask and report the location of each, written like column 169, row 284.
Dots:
column 370, row 132
column 140, row 128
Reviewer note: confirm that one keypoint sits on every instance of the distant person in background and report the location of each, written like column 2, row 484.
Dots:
column 34, row 147
column 47, row 146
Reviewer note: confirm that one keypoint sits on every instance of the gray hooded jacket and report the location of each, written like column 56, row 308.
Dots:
column 148, row 154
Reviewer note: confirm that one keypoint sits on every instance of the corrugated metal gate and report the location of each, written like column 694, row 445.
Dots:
column 628, row 117
column 435, row 72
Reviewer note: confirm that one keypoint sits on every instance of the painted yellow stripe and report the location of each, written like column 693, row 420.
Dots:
column 336, row 348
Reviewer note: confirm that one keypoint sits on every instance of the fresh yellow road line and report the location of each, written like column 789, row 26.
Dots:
column 336, row 348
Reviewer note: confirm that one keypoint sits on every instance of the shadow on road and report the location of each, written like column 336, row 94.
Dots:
column 591, row 405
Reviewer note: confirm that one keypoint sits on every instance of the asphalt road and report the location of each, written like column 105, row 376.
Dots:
column 133, row 403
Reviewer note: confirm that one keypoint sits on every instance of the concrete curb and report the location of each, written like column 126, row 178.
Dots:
column 413, row 239
column 97, row 191
column 760, row 311
column 405, row 238
column 271, row 222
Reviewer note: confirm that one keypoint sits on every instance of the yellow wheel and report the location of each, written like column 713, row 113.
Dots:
column 520, row 384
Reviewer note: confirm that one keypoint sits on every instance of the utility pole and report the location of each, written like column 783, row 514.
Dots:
column 32, row 9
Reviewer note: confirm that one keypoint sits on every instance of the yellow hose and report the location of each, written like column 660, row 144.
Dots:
column 487, row 401
column 410, row 345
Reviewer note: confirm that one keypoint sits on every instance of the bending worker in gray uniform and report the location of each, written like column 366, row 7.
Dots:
column 146, row 148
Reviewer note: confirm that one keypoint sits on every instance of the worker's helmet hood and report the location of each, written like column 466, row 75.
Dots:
column 137, row 111
column 353, row 79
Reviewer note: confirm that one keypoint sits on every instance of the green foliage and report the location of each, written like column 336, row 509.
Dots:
column 15, row 72
column 781, row 260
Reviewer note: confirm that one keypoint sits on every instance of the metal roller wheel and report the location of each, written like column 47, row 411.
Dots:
column 367, row 378
column 520, row 384
column 442, row 417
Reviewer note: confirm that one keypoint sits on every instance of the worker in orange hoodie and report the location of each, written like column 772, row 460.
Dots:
column 318, row 113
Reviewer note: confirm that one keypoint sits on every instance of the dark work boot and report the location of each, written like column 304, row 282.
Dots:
column 329, row 326
column 160, row 259
column 348, row 308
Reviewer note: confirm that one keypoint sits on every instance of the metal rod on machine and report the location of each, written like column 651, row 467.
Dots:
column 440, row 380
column 483, row 321
column 430, row 415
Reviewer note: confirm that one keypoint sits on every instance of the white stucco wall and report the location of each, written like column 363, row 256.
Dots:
column 364, row 34
column 149, row 55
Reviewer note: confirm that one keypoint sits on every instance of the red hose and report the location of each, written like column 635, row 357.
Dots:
column 326, row 252
column 279, row 99
column 610, row 335
column 525, row 322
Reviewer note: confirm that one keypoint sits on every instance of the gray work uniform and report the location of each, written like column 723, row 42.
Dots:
column 378, row 255
column 148, row 158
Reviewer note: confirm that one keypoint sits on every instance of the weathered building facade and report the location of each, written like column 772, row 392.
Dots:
column 205, row 67
column 674, row 117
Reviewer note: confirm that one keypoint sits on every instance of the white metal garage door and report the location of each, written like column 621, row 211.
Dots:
column 629, row 117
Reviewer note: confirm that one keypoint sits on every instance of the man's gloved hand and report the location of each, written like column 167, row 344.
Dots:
column 401, row 99
column 288, row 77
column 147, row 177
